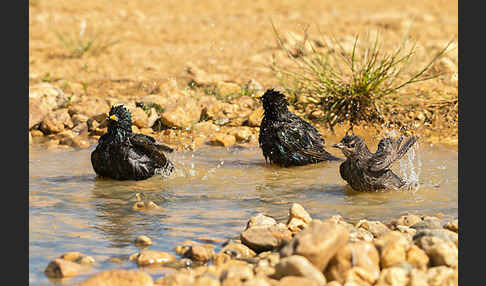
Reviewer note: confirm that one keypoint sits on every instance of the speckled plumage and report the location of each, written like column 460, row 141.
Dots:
column 286, row 139
column 366, row 171
column 124, row 155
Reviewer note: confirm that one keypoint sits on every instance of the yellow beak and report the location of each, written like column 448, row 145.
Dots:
column 113, row 117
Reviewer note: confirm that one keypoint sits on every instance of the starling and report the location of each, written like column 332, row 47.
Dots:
column 124, row 155
column 285, row 138
column 365, row 171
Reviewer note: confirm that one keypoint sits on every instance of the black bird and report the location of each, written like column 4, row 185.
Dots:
column 285, row 138
column 365, row 171
column 124, row 155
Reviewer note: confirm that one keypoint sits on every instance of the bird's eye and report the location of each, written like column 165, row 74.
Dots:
column 351, row 145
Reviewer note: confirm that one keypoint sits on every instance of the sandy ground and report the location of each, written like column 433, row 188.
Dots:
column 155, row 41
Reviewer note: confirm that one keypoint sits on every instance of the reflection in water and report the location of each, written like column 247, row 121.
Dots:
column 212, row 193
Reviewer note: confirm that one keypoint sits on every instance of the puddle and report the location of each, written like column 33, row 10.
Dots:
column 213, row 193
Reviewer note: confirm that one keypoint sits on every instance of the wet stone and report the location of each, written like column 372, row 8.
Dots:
column 296, row 265
column 150, row 257
column 143, row 241
column 59, row 268
column 237, row 250
column 453, row 225
column 260, row 220
column 200, row 253
column 265, row 238
column 318, row 243
column 119, row 277
column 221, row 139
column 298, row 211
column 145, row 206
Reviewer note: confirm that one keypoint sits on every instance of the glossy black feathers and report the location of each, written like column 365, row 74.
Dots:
column 366, row 171
column 285, row 138
column 124, row 155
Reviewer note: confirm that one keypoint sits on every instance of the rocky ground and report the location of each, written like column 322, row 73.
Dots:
column 409, row 250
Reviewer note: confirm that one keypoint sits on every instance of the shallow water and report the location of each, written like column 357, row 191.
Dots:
column 213, row 193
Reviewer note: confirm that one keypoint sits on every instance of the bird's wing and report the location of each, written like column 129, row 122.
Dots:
column 300, row 138
column 386, row 154
column 145, row 138
column 145, row 144
column 404, row 148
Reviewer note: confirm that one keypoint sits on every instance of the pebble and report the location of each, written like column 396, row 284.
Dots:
column 441, row 252
column 393, row 276
column 407, row 220
column 427, row 224
column 453, row 225
column 442, row 276
column 297, row 211
column 393, row 248
column 376, row 228
column 356, row 254
column 296, row 265
column 260, row 220
column 143, row 241
column 238, row 250
column 145, row 206
column 119, row 277
column 60, row 268
column 318, row 243
column 150, row 257
column 417, row 257
column 265, row 238
column 222, row 139
column 200, row 252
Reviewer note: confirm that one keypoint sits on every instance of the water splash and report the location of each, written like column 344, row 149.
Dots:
column 411, row 167
column 410, row 164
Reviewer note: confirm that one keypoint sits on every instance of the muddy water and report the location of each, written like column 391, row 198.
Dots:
column 212, row 194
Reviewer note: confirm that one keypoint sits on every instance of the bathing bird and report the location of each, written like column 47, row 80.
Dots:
column 366, row 171
column 124, row 155
column 285, row 138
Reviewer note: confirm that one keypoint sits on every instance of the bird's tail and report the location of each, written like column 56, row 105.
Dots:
column 404, row 148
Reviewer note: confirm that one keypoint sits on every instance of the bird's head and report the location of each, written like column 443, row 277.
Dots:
column 350, row 145
column 119, row 117
column 274, row 101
